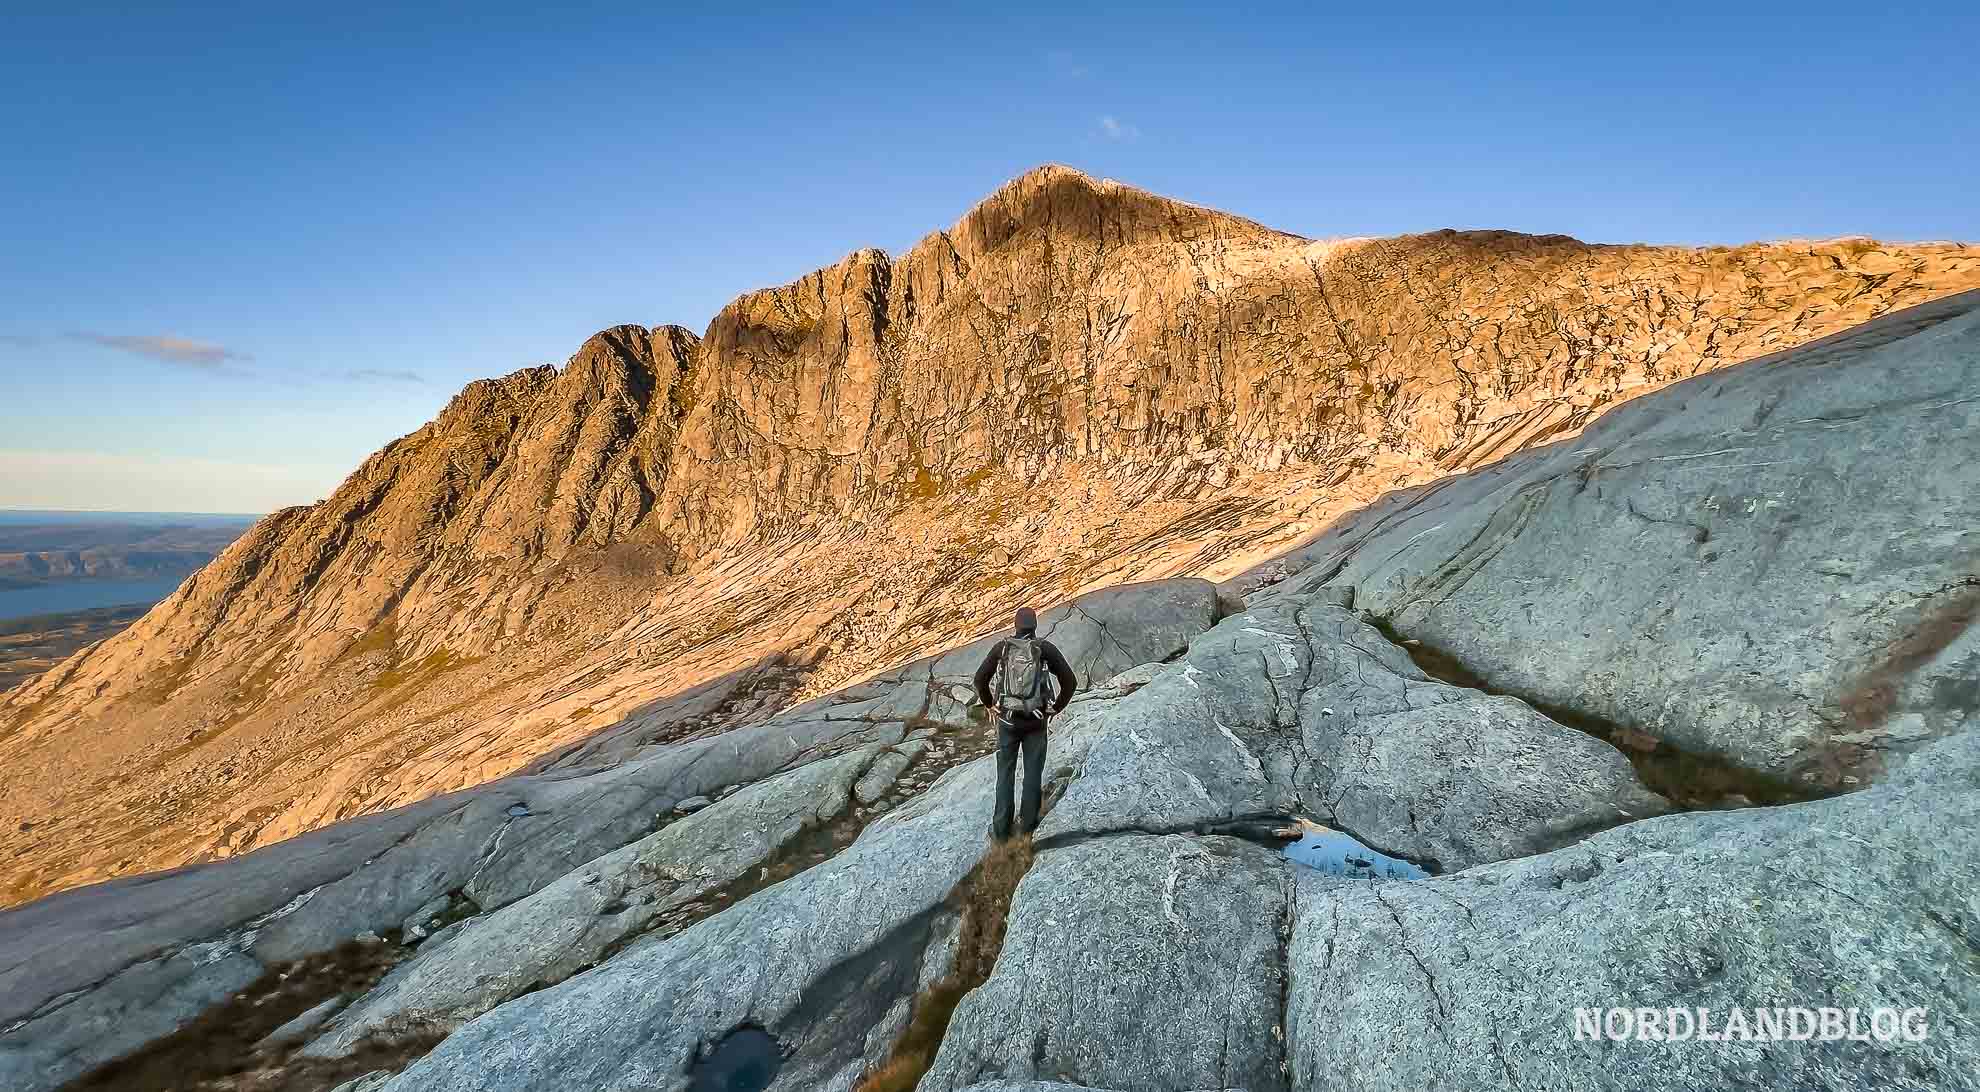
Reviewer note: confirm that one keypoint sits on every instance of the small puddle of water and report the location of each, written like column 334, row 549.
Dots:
column 1336, row 854
column 746, row 1060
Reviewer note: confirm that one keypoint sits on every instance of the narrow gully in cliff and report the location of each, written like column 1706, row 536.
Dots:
column 1331, row 850
column 1690, row 780
column 229, row 1048
column 983, row 898
column 818, row 843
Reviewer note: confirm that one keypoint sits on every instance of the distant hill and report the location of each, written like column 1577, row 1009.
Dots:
column 44, row 547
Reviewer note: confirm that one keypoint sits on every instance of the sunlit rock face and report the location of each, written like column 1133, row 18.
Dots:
column 1077, row 384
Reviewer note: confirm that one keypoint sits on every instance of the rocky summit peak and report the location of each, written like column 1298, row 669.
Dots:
column 1063, row 201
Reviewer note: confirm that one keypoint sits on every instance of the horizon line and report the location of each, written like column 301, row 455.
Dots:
column 121, row 511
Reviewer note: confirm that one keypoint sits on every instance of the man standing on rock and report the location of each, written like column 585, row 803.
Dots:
column 1018, row 664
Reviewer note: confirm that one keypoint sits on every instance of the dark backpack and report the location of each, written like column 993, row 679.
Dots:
column 1021, row 686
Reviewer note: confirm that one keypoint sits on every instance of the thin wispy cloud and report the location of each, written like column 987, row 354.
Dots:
column 381, row 375
column 1114, row 128
column 182, row 351
column 215, row 359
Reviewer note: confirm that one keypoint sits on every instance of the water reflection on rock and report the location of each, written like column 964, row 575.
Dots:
column 1336, row 854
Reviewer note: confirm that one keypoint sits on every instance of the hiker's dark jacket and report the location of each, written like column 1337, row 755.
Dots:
column 1054, row 660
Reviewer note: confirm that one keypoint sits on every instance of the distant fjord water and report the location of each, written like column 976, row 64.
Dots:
column 75, row 595
column 54, row 531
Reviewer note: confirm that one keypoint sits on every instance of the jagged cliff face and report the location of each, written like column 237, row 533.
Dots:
column 1067, row 323
column 1077, row 384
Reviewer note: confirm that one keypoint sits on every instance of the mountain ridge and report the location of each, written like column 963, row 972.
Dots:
column 1075, row 384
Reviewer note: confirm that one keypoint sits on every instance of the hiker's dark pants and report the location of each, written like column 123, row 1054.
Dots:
column 1013, row 733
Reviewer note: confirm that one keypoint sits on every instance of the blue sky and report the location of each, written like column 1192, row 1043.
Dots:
column 241, row 247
